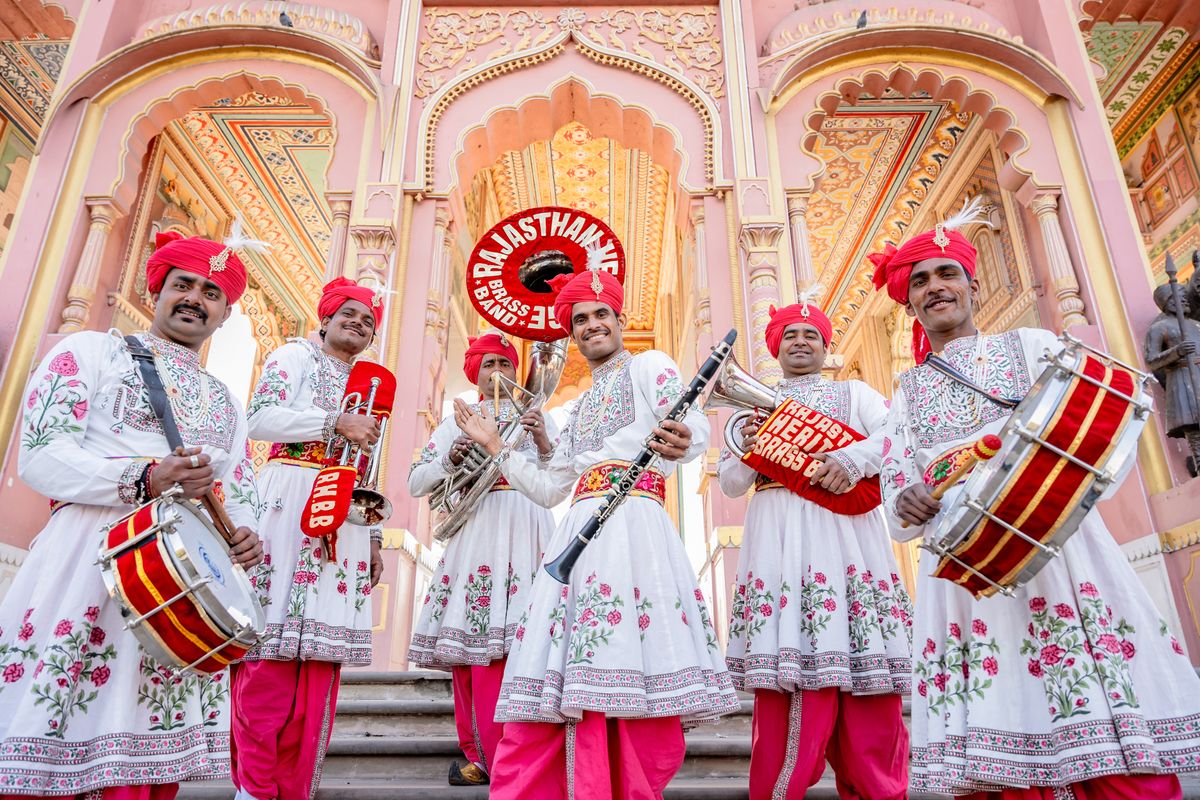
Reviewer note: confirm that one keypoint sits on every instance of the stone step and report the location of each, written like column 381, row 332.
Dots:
column 356, row 758
column 437, row 789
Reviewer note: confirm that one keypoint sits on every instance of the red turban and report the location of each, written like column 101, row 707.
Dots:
column 790, row 315
column 480, row 346
column 893, row 268
column 589, row 286
column 335, row 294
column 203, row 257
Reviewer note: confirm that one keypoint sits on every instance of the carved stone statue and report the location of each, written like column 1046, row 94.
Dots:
column 1172, row 358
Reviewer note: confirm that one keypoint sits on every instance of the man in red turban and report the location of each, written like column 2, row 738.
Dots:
column 491, row 343
column 935, row 419
column 91, row 441
column 287, row 685
column 603, row 742
column 854, row 694
column 503, row 534
column 945, row 282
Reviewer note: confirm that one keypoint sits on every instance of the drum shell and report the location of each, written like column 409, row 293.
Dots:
column 161, row 566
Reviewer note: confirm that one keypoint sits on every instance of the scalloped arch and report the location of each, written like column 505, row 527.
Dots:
column 539, row 117
column 704, row 108
column 1012, row 141
column 165, row 110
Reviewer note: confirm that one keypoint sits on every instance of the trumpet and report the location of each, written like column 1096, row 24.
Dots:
column 738, row 389
column 370, row 390
column 453, row 501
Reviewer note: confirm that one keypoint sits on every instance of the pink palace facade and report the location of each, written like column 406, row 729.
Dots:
column 744, row 151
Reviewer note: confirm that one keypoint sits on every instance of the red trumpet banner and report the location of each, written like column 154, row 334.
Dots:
column 783, row 452
column 493, row 271
column 329, row 501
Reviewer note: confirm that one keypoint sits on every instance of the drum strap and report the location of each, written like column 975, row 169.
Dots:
column 154, row 388
column 943, row 366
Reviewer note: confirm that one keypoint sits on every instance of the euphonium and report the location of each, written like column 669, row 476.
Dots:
column 735, row 388
column 453, row 501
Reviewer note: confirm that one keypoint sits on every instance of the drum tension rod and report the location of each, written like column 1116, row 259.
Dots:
column 129, row 544
column 1138, row 408
column 193, row 587
column 215, row 650
column 1075, row 344
column 1030, row 436
column 1045, row 548
column 1004, row 590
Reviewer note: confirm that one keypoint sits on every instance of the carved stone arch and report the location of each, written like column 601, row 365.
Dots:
column 435, row 169
column 1016, row 122
column 538, row 117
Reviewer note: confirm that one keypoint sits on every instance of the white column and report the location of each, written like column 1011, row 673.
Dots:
column 339, row 209
column 102, row 213
column 801, row 254
column 1062, row 273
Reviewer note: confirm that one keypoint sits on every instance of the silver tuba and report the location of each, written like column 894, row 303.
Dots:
column 453, row 501
column 738, row 389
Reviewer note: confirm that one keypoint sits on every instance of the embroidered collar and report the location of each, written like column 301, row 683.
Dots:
column 172, row 350
column 961, row 344
column 801, row 381
column 335, row 362
column 612, row 365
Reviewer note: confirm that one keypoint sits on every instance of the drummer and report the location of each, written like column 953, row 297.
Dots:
column 83, row 710
column 1073, row 687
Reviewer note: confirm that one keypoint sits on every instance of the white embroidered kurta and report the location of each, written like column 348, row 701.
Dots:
column 481, row 586
column 81, row 705
column 1074, row 677
column 818, row 601
column 318, row 607
column 630, row 636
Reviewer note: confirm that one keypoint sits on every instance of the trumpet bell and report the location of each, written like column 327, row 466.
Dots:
column 368, row 507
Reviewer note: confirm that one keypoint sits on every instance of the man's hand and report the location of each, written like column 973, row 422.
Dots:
column 458, row 450
column 376, row 563
column 916, row 504
column 831, row 475
column 1187, row 348
column 533, row 422
column 189, row 468
column 675, row 438
column 246, row 548
column 480, row 427
column 361, row 429
column 749, row 429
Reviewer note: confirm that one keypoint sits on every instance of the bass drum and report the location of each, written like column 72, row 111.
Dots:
column 1069, row 440
column 169, row 571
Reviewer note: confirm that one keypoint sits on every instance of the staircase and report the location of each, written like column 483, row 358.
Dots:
column 394, row 739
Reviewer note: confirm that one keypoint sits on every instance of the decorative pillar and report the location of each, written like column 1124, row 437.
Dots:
column 339, row 209
column 374, row 245
column 102, row 213
column 437, row 317
column 759, row 240
column 797, row 205
column 1062, row 273
column 703, row 319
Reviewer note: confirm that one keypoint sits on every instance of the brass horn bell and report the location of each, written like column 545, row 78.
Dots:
column 737, row 389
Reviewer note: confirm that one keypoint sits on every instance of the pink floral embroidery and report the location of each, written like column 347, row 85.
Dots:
column 64, row 364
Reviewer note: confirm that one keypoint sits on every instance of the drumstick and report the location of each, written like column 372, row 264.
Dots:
column 987, row 446
column 220, row 517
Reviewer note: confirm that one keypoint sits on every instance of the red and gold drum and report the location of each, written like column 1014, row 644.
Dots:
column 182, row 595
column 1071, row 439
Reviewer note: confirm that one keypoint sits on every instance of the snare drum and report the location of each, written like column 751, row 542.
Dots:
column 1066, row 443
column 171, row 575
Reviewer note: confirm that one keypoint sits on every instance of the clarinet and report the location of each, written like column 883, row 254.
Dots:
column 560, row 568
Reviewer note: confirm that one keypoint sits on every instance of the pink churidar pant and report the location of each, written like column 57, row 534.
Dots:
column 476, row 692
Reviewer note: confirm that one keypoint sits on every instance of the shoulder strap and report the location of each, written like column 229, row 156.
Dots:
column 154, row 387
column 944, row 367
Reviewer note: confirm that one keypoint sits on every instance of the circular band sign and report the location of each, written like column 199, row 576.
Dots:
column 507, row 271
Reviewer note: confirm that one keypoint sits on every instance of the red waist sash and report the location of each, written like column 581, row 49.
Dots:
column 600, row 478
